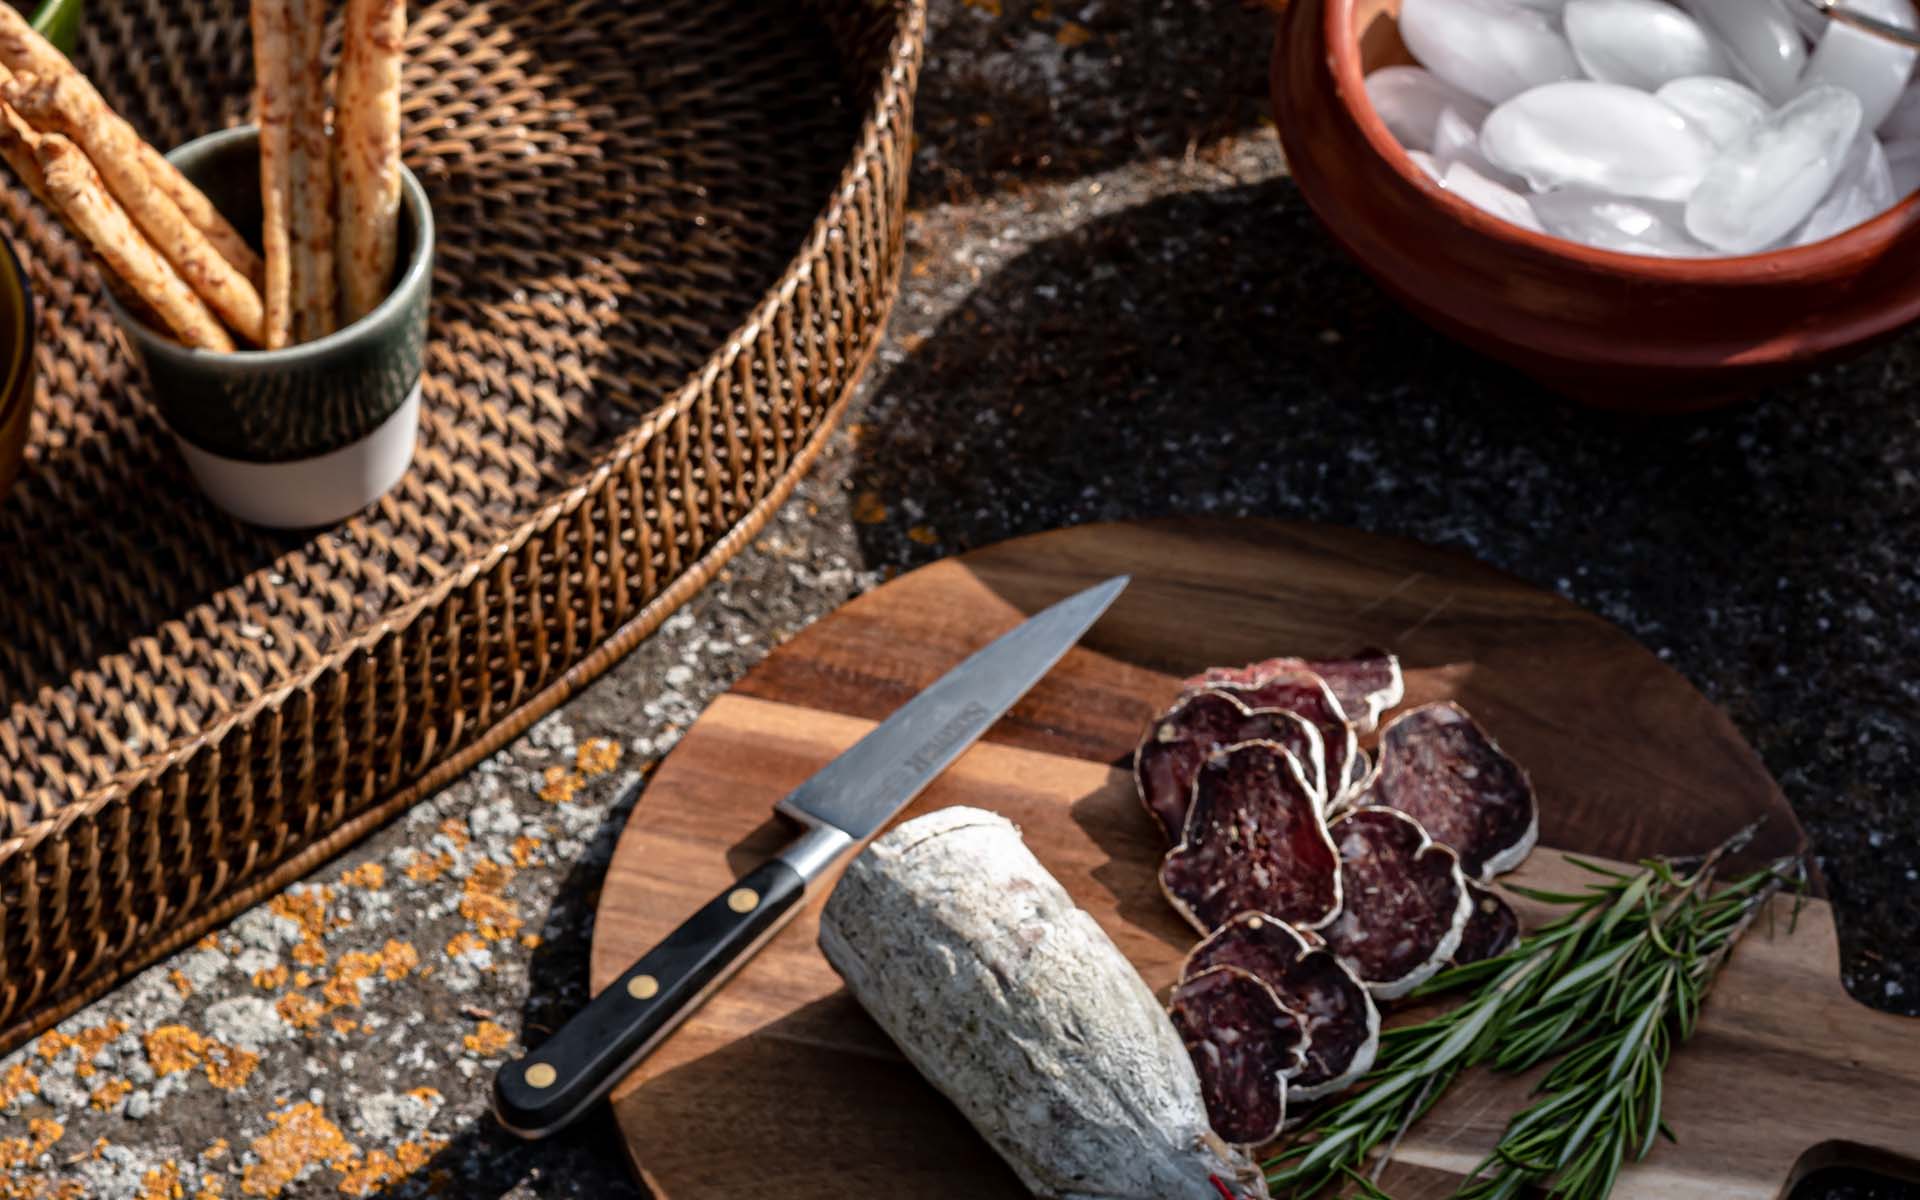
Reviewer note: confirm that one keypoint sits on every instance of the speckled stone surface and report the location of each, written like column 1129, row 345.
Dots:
column 1117, row 306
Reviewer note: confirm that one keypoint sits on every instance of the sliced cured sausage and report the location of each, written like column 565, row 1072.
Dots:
column 1290, row 684
column 1198, row 724
column 1245, row 1044
column 1440, row 768
column 1342, row 1023
column 1254, row 842
column 1404, row 901
column 1366, row 685
column 1492, row 926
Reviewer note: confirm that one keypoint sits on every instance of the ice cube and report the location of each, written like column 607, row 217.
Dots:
column 1617, row 223
column 1641, row 43
column 1904, row 121
column 1410, row 100
column 1454, row 140
column 1766, row 183
column 1720, row 108
column 1903, row 161
column 1491, row 49
column 1762, row 40
column 1862, row 192
column 1872, row 68
column 1484, row 194
column 1604, row 136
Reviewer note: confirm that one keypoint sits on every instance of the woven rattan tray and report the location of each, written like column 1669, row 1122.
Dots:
column 670, row 233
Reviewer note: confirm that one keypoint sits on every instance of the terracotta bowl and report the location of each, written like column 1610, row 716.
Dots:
column 1614, row 330
column 16, row 365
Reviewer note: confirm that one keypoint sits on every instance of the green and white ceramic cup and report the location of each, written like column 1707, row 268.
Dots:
column 313, row 433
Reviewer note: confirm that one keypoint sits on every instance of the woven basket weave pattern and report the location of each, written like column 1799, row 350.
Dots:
column 670, row 234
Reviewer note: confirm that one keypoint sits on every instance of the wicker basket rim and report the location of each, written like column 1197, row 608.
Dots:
column 892, row 92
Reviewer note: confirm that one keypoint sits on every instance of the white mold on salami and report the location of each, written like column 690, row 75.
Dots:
column 1199, row 723
column 1290, row 684
column 1405, row 901
column 1014, row 1004
column 1439, row 767
column 1342, row 1022
column 1367, row 685
column 1492, row 926
column 1245, row 1044
column 1254, row 842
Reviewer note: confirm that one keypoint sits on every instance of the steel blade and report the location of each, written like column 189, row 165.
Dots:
column 874, row 778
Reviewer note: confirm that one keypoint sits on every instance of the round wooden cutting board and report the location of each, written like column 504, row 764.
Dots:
column 781, row 1085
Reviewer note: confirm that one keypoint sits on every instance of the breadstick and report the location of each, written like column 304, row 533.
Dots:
column 68, row 105
column 86, row 204
column 26, row 52
column 367, row 120
column 315, row 311
column 16, row 148
column 272, row 94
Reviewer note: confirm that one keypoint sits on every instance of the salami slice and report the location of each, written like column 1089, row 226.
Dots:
column 1290, row 684
column 1198, row 724
column 1245, row 1044
column 1405, row 901
column 1442, row 770
column 1492, row 926
column 1366, row 685
column 1342, row 1024
column 1254, row 842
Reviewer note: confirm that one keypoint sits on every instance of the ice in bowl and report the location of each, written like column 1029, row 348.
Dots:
column 1709, row 129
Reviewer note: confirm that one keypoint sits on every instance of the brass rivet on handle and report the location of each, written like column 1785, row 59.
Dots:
column 643, row 987
column 743, row 900
column 541, row 1075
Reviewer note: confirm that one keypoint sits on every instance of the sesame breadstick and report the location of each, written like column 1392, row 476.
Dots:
column 315, row 308
column 88, row 207
column 17, row 139
column 25, row 52
column 67, row 104
column 367, row 114
column 273, row 92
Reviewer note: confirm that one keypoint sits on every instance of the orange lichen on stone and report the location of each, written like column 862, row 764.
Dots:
column 229, row 1067
column 180, row 982
column 923, row 535
column 523, row 850
column 868, row 509
column 1072, row 34
column 530, row 940
column 425, row 1095
column 397, row 959
column 271, row 979
column 380, row 1170
column 162, row 1183
column 488, row 1039
column 211, row 1188
column 464, row 942
column 51, row 1043
column 301, row 1138
column 173, row 1048
column 596, row 756
column 216, row 1151
column 456, row 831
column 17, row 1082
column 425, row 868
column 344, row 1025
column 367, row 875
column 299, row 1010
column 481, row 902
column 306, row 908
column 559, row 784
column 310, row 953
column 110, row 1093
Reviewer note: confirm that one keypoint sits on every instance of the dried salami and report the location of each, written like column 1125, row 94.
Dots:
column 1342, row 1024
column 1440, row 768
column 1198, row 724
column 1404, row 901
column 1245, row 1044
column 1366, row 685
column 1254, row 842
column 1290, row 684
column 1492, row 926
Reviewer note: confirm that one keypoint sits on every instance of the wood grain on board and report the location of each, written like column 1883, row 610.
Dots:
column 782, row 1083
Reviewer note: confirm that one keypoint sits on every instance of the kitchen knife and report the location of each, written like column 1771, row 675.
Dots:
column 839, row 808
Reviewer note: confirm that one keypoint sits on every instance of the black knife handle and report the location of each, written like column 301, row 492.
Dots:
column 544, row 1091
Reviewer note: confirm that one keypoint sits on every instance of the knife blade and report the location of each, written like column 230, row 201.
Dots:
column 836, row 810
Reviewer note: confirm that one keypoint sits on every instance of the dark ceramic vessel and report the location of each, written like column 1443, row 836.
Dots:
column 1613, row 330
column 271, row 406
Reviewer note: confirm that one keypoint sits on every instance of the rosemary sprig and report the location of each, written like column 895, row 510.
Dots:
column 1611, row 986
